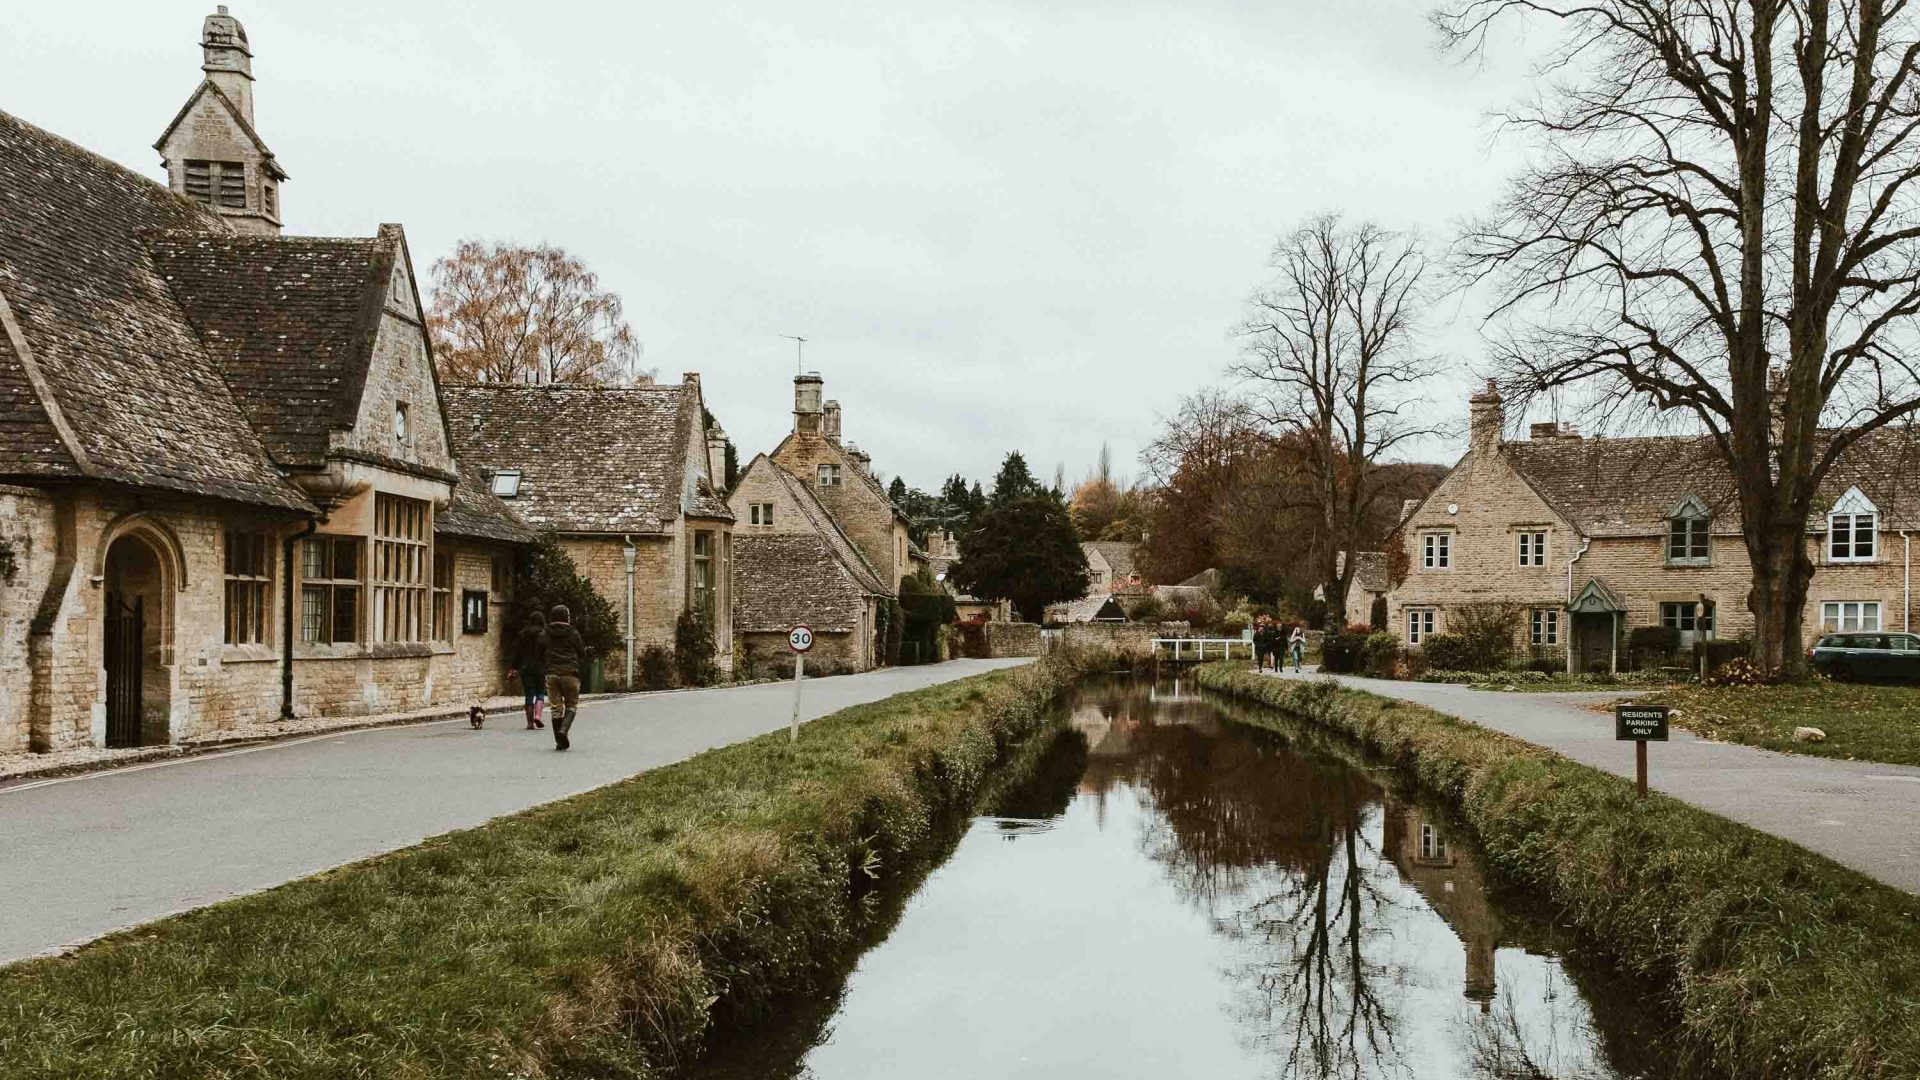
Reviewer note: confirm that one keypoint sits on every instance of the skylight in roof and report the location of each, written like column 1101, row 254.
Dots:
column 506, row 483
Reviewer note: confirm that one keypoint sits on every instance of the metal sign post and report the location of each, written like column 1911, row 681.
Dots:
column 799, row 639
column 1640, row 725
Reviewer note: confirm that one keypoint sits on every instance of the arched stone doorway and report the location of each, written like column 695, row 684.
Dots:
column 137, row 624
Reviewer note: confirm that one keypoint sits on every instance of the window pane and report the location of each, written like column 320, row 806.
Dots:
column 346, row 605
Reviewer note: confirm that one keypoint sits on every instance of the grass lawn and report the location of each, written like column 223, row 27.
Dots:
column 1869, row 723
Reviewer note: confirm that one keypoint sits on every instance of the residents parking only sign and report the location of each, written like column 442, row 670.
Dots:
column 1640, row 723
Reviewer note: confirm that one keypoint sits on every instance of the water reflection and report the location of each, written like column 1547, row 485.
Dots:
column 1173, row 894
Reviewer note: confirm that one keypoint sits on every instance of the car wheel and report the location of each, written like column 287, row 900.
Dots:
column 1840, row 672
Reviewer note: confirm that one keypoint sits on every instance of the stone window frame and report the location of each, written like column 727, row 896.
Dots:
column 247, row 594
column 1436, row 550
column 1837, row 624
column 398, row 569
column 1689, row 532
column 760, row 514
column 702, row 580
column 443, row 574
column 1532, row 546
column 1422, row 623
column 1543, row 626
column 829, row 475
column 321, row 622
column 1698, row 617
column 1853, row 508
column 1431, row 845
column 473, row 611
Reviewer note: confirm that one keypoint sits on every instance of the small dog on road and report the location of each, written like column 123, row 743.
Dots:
column 476, row 716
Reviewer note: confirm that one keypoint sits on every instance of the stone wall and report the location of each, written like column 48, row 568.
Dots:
column 197, row 685
column 660, row 581
column 400, row 373
column 1007, row 639
column 767, row 654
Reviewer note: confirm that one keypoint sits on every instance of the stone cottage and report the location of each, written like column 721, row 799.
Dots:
column 794, row 565
column 841, row 477
column 943, row 550
column 625, row 477
column 1591, row 537
column 226, row 488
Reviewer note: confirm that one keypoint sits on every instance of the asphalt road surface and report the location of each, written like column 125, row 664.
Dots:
column 90, row 854
column 1857, row 813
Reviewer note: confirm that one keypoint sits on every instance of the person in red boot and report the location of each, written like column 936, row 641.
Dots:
column 527, row 667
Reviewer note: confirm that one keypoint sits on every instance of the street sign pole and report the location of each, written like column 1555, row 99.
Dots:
column 799, row 639
column 1640, row 725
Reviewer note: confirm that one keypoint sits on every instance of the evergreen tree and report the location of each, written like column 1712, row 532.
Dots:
column 897, row 491
column 1022, row 546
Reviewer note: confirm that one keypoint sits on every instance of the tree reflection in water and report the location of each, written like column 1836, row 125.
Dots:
column 1304, row 864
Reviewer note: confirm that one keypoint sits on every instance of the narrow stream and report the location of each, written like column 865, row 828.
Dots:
column 1174, row 894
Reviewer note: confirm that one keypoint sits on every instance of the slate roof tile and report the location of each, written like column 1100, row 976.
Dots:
column 785, row 579
column 591, row 459
column 291, row 320
column 146, row 405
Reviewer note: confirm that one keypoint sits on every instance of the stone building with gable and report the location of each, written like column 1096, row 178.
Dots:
column 626, row 478
column 1592, row 537
column 226, row 487
column 841, row 477
column 795, row 565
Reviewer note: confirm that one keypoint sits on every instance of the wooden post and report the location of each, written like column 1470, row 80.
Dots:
column 1640, row 768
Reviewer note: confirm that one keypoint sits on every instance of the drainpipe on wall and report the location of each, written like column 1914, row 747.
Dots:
column 286, row 615
column 1585, row 542
column 1906, row 582
column 629, row 554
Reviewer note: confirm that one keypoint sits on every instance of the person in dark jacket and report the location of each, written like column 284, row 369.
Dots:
column 526, row 666
column 563, row 655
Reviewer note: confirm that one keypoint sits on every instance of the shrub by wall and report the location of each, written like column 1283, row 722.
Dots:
column 1777, row 962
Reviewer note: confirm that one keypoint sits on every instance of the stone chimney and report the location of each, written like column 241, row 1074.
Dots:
column 1489, row 419
column 212, row 151
column 940, row 545
column 717, row 457
column 830, row 424
column 806, row 403
column 861, row 459
column 227, row 60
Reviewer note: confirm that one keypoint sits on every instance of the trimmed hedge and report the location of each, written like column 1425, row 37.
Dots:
column 596, row 936
column 1778, row 962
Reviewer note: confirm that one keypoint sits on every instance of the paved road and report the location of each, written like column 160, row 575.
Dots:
column 1857, row 813
column 89, row 854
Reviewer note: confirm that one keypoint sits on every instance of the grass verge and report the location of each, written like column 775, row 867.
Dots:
column 596, row 936
column 1863, row 722
column 1778, row 962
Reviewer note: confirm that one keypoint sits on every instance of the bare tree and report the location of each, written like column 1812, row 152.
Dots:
column 1720, row 225
column 1332, row 345
column 506, row 314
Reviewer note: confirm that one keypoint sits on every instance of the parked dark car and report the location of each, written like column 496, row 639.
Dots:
column 1867, row 656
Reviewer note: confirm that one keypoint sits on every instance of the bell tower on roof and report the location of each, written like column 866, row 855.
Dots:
column 212, row 152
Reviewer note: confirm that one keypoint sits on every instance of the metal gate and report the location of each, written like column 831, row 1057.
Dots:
column 125, row 663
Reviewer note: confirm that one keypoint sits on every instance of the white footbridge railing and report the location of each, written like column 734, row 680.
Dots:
column 1195, row 650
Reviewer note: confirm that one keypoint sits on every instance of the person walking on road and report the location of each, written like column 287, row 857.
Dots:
column 1264, row 646
column 562, row 656
column 1297, row 645
column 526, row 666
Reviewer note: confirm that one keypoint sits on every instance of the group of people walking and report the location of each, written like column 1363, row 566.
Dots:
column 1275, row 643
column 548, row 657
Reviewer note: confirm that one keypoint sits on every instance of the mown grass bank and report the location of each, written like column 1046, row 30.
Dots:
column 597, row 936
column 1778, row 963
column 1861, row 721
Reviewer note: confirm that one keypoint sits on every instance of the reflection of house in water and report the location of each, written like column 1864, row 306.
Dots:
column 1450, row 881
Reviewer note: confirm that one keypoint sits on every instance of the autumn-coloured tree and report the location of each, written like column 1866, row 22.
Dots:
column 1104, row 506
column 502, row 313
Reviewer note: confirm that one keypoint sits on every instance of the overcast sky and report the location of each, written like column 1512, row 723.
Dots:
column 1001, row 225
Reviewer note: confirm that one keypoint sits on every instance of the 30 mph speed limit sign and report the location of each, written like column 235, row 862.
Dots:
column 800, row 638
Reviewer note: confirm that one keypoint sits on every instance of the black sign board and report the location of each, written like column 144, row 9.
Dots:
column 1640, row 723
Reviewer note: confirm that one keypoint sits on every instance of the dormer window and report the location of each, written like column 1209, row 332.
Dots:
column 221, row 181
column 1852, row 527
column 1687, row 530
column 506, row 483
